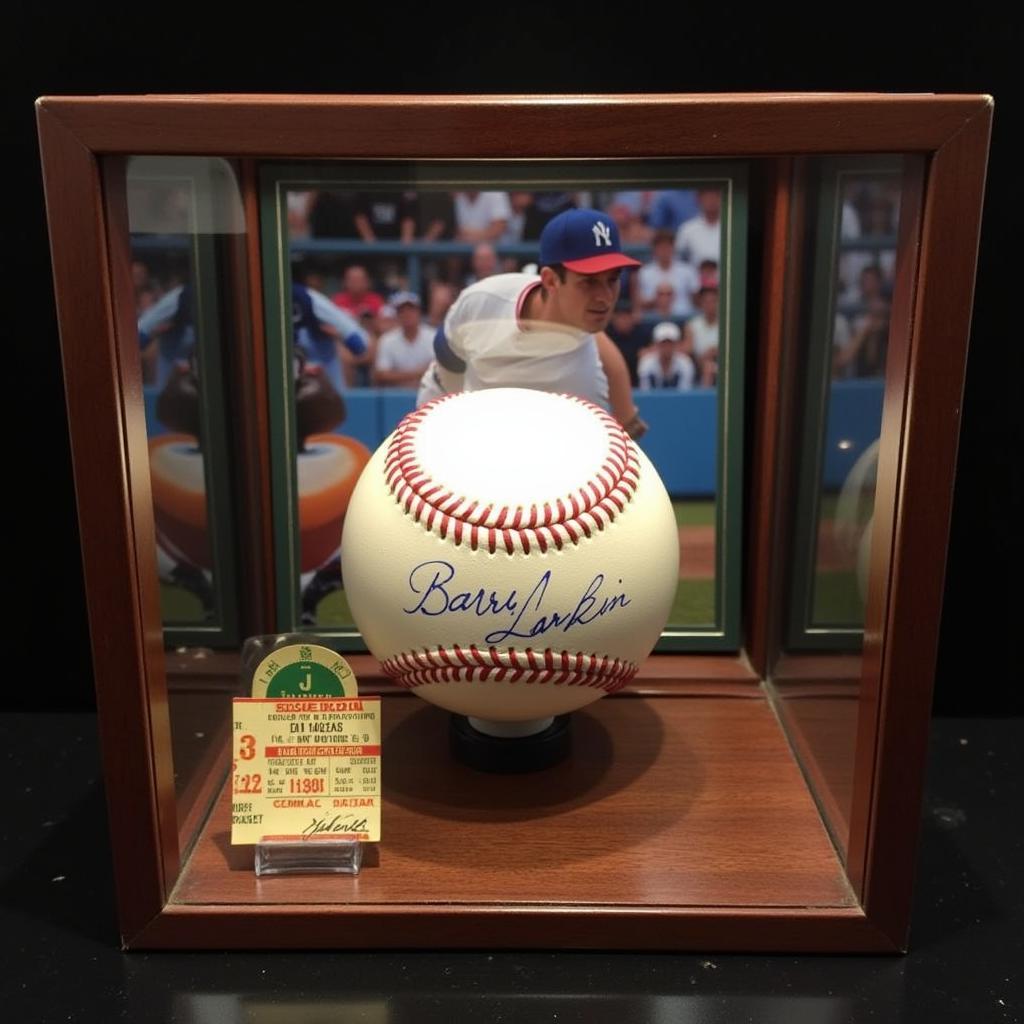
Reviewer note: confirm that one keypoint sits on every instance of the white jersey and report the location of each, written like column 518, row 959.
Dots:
column 705, row 335
column 483, row 330
column 653, row 376
column 697, row 241
column 681, row 277
column 396, row 352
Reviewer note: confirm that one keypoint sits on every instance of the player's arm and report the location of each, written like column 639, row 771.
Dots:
column 448, row 367
column 335, row 320
column 620, row 388
column 157, row 318
column 449, row 357
column 363, row 226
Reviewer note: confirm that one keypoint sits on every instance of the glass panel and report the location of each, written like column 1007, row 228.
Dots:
column 373, row 265
column 855, row 250
column 850, row 248
column 177, row 209
column 187, row 237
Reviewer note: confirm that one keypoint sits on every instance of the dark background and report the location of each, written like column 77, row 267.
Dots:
column 91, row 50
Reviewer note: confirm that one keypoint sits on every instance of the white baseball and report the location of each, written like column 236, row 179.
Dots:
column 510, row 555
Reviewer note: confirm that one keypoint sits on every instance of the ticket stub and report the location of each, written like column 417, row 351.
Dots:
column 306, row 767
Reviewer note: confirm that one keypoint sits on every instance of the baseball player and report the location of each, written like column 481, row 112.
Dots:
column 319, row 326
column 322, row 329
column 169, row 325
column 544, row 331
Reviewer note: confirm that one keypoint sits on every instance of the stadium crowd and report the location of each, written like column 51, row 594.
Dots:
column 666, row 323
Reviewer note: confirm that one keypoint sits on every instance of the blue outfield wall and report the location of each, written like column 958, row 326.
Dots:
column 681, row 441
column 682, row 438
column 854, row 423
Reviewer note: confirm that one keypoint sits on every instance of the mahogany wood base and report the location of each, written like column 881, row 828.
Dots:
column 675, row 823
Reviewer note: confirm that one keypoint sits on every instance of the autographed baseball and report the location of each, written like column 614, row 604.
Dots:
column 510, row 555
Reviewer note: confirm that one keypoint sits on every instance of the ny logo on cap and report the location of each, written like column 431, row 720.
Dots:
column 602, row 234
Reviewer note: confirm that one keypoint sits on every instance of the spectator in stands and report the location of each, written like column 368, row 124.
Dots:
column 545, row 206
column 356, row 296
column 666, row 368
column 707, row 271
column 300, row 203
column 404, row 353
column 664, row 301
column 864, row 354
column 862, row 278
column 440, row 297
column 872, row 284
column 386, row 216
column 632, row 229
column 629, row 335
column 700, row 238
column 700, row 336
column 880, row 221
column 484, row 263
column 850, row 223
column 671, row 207
column 436, row 216
column 358, row 369
column 330, row 214
column 481, row 216
column 666, row 269
column 519, row 203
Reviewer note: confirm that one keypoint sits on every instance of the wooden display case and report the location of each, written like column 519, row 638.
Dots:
column 761, row 798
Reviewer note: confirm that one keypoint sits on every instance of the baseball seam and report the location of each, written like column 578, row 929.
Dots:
column 507, row 665
column 461, row 520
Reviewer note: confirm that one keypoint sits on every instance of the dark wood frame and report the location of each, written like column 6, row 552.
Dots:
column 84, row 139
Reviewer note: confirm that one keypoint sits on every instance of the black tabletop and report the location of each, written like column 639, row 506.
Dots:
column 61, row 960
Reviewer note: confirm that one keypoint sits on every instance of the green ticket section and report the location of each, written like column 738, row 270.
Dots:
column 304, row 670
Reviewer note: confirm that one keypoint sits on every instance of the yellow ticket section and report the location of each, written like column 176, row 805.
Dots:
column 306, row 767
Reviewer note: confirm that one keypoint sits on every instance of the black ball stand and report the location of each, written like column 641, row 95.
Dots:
column 509, row 755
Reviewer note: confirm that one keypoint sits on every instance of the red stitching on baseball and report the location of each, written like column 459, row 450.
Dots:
column 561, row 668
column 567, row 519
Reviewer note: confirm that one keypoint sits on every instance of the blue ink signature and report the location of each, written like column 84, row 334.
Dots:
column 434, row 583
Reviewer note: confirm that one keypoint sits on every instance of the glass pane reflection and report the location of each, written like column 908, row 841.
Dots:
column 185, row 222
column 852, row 259
column 178, row 211
column 869, row 209
column 847, row 227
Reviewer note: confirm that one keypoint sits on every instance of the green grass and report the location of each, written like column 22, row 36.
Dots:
column 694, row 513
column 829, row 501
column 694, row 603
column 837, row 601
column 333, row 610
column 179, row 606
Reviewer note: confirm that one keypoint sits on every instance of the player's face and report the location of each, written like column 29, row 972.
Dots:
column 587, row 301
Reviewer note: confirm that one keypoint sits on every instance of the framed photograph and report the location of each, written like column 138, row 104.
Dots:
column 250, row 290
column 311, row 217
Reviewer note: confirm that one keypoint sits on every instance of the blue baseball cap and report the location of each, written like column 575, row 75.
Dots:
column 586, row 241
